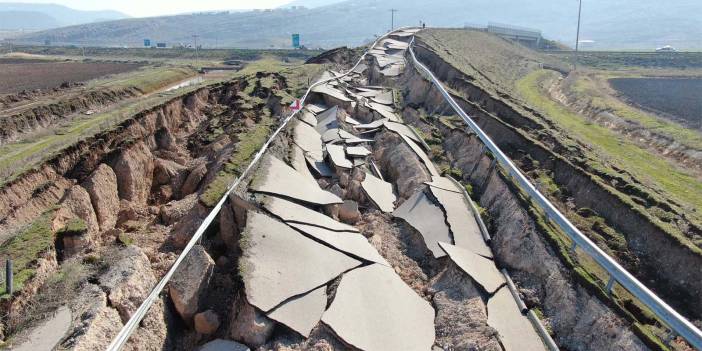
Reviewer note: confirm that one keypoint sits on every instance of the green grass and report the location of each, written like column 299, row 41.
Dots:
column 238, row 161
column 617, row 60
column 297, row 77
column 24, row 249
column 150, row 80
column 493, row 63
column 74, row 226
column 608, row 145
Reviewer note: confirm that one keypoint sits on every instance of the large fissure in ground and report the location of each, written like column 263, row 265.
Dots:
column 572, row 308
column 170, row 164
column 94, row 227
column 614, row 212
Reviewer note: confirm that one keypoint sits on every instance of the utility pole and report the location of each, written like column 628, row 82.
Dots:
column 392, row 19
column 577, row 37
column 197, row 59
column 83, row 46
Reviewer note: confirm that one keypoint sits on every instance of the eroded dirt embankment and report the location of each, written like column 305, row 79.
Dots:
column 118, row 206
column 562, row 90
column 650, row 250
column 28, row 120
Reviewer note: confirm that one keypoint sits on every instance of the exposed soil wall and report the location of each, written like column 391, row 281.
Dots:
column 659, row 259
column 14, row 126
column 135, row 189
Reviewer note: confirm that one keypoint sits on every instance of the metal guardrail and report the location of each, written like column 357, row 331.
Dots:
column 535, row 321
column 676, row 322
column 133, row 322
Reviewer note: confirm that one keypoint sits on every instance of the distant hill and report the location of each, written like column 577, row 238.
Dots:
column 25, row 16
column 26, row 20
column 611, row 24
column 311, row 3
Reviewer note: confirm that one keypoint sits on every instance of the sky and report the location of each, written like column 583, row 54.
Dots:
column 145, row 8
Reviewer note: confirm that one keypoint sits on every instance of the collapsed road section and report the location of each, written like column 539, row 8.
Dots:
column 327, row 245
column 350, row 232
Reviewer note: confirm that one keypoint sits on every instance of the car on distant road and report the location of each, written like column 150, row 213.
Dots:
column 666, row 48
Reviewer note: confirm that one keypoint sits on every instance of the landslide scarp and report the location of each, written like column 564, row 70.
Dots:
column 96, row 225
column 649, row 232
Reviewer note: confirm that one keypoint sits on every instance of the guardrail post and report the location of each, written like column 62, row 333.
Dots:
column 572, row 248
column 610, row 285
column 670, row 336
column 8, row 277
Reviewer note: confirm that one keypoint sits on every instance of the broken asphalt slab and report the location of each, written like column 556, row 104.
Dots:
column 374, row 310
column 278, row 263
column 465, row 229
column 428, row 219
column 482, row 270
column 291, row 212
column 515, row 330
column 379, row 192
column 276, row 177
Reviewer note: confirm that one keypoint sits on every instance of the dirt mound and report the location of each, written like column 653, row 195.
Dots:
column 340, row 55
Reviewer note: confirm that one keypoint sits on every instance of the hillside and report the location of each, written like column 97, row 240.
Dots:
column 22, row 16
column 610, row 24
column 27, row 20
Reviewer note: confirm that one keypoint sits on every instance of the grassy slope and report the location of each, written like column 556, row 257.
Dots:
column 499, row 66
column 618, row 60
column 486, row 57
column 150, row 79
column 656, row 172
column 170, row 55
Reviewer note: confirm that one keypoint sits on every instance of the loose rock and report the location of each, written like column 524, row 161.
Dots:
column 348, row 212
column 128, row 281
column 194, row 178
column 249, row 325
column 134, row 168
column 175, row 210
column 189, row 281
column 101, row 185
column 223, row 345
column 76, row 204
column 206, row 322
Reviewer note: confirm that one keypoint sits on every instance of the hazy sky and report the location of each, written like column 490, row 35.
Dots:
column 143, row 8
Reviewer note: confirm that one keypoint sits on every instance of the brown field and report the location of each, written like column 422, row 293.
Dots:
column 18, row 75
column 679, row 97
